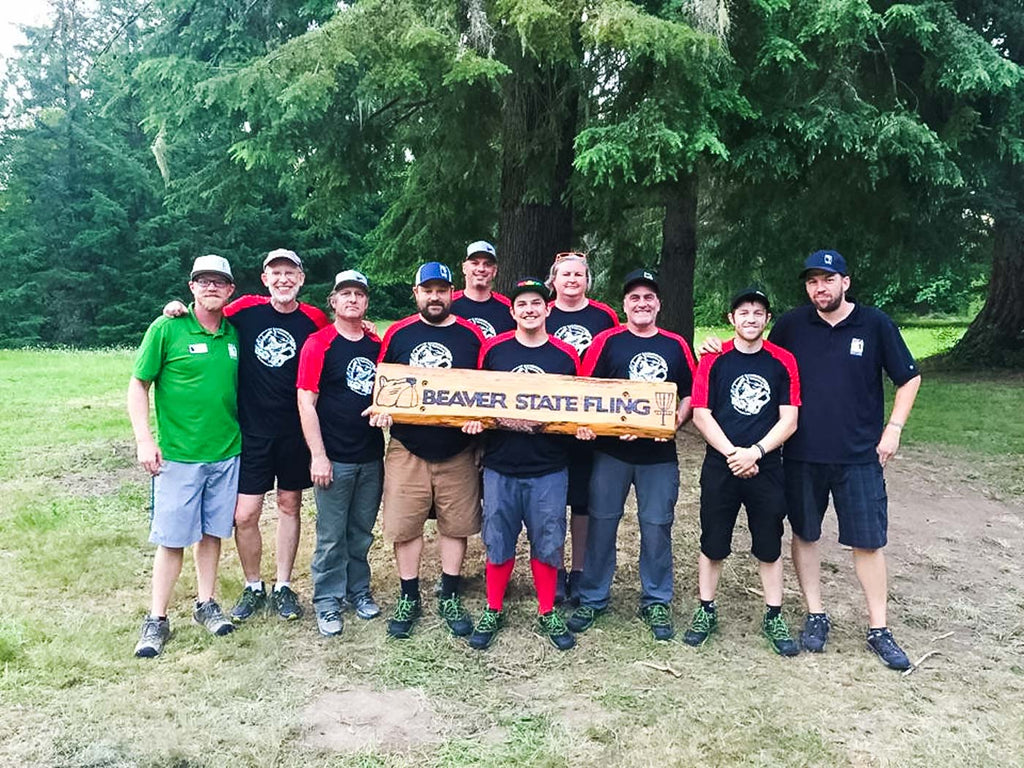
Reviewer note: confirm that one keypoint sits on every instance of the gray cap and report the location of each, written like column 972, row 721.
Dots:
column 283, row 253
column 351, row 277
column 211, row 264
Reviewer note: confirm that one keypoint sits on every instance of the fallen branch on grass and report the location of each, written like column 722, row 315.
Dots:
column 920, row 661
column 666, row 668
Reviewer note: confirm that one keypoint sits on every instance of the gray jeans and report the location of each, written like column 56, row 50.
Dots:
column 345, row 513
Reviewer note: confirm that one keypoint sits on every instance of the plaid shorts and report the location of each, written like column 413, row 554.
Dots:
column 858, row 492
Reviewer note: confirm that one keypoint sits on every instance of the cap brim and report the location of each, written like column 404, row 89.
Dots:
column 640, row 281
column 827, row 270
column 352, row 283
column 748, row 297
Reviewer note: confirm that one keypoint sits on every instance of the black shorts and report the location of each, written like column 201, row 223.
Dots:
column 721, row 494
column 581, row 461
column 858, row 492
column 285, row 458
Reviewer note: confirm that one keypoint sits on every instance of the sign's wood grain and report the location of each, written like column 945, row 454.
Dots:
column 528, row 402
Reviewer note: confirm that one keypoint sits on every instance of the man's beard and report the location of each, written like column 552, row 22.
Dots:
column 833, row 305
column 438, row 318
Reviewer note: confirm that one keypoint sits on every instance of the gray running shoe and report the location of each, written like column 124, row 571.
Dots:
column 328, row 623
column 155, row 633
column 209, row 616
column 366, row 607
column 286, row 603
column 250, row 602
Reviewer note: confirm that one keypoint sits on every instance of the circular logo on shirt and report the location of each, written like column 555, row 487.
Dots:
column 648, row 366
column 275, row 347
column 577, row 336
column 486, row 328
column 527, row 368
column 430, row 354
column 750, row 393
column 359, row 375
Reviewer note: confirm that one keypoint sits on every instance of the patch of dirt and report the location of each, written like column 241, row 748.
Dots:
column 359, row 719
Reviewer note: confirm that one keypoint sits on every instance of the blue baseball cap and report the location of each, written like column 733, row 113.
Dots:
column 825, row 261
column 433, row 270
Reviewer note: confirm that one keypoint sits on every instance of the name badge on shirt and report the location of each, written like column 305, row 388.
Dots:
column 857, row 347
column 198, row 349
column 232, row 351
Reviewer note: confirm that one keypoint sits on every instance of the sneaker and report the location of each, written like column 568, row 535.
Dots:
column 815, row 633
column 882, row 643
column 209, row 616
column 286, row 603
column 583, row 618
column 155, row 633
column 455, row 616
column 329, row 622
column 488, row 626
column 366, row 607
column 776, row 632
column 406, row 613
column 702, row 626
column 658, row 617
column 553, row 625
column 249, row 602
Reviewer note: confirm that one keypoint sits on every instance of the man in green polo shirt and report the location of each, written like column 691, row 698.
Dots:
column 191, row 363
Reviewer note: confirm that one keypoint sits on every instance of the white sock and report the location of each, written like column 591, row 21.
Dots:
column 279, row 584
column 255, row 586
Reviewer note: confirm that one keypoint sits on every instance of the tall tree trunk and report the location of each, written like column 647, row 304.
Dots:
column 678, row 255
column 535, row 219
column 996, row 336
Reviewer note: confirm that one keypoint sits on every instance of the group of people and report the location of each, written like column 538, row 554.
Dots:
column 266, row 389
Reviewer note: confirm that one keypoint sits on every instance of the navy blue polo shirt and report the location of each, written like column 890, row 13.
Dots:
column 841, row 381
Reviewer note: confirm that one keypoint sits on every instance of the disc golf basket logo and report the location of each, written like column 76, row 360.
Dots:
column 397, row 393
column 665, row 404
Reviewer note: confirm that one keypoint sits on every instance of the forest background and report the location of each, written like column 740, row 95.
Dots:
column 719, row 142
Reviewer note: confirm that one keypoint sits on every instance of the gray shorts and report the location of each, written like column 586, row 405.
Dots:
column 190, row 500
column 536, row 502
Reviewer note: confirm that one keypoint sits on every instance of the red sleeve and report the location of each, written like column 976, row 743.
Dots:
column 590, row 357
column 244, row 302
column 311, row 359
column 502, row 298
column 699, row 394
column 490, row 344
column 607, row 310
column 457, row 295
column 389, row 334
column 569, row 349
column 316, row 315
column 789, row 363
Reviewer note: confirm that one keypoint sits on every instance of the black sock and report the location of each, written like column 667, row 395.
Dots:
column 708, row 605
column 772, row 611
column 817, row 615
column 411, row 588
column 162, row 618
column 449, row 584
column 876, row 629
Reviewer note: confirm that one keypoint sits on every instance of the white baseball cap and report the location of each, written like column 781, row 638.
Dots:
column 481, row 247
column 351, row 277
column 283, row 253
column 211, row 263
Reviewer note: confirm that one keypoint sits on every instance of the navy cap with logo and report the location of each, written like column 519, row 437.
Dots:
column 750, row 293
column 824, row 261
column 433, row 270
column 530, row 285
column 638, row 277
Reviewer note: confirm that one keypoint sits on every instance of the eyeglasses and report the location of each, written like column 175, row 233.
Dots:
column 212, row 282
column 569, row 255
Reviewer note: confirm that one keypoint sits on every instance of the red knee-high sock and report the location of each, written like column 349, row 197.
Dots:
column 498, row 575
column 545, row 577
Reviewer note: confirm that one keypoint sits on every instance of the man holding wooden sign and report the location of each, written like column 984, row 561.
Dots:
column 430, row 466
column 526, row 476
column 641, row 351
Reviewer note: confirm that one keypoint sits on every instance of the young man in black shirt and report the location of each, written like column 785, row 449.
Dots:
column 745, row 403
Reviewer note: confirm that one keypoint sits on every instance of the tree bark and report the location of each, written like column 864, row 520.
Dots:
column 678, row 255
column 995, row 338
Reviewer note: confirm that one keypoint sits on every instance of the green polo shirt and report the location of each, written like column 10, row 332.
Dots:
column 195, row 384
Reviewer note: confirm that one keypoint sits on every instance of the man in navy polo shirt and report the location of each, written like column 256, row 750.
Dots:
column 745, row 403
column 641, row 351
column 526, row 476
column 480, row 303
column 840, row 446
column 430, row 467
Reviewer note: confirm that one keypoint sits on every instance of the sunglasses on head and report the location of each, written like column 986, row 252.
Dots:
column 569, row 255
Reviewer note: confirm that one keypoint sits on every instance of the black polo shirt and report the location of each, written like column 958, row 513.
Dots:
column 841, row 381
column 493, row 317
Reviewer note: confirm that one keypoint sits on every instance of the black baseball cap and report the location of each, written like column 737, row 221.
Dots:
column 638, row 277
column 530, row 285
column 750, row 293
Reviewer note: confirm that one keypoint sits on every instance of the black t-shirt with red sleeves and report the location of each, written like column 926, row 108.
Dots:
column 619, row 354
column 342, row 372
column 415, row 342
column 743, row 391
column 578, row 328
column 492, row 317
column 515, row 453
column 270, row 342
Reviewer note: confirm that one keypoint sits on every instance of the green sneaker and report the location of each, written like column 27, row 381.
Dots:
column 583, row 618
column 488, row 626
column 776, row 633
column 250, row 602
column 455, row 616
column 407, row 611
column 553, row 625
column 702, row 626
column 658, row 617
column 286, row 603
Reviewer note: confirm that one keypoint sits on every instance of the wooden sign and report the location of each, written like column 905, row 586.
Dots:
column 525, row 402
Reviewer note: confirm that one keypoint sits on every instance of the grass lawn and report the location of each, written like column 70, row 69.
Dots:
column 74, row 564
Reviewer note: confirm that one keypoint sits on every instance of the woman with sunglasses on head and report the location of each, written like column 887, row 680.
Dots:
column 576, row 320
